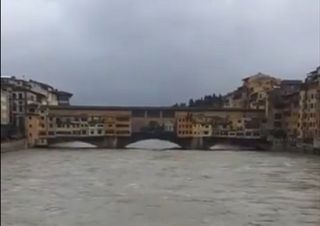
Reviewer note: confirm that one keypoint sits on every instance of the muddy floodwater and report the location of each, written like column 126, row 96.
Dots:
column 159, row 188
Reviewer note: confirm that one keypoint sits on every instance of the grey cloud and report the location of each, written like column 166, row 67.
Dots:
column 125, row 52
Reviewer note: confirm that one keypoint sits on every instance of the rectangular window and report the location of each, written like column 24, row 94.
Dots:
column 277, row 124
column 168, row 114
column 122, row 126
column 63, row 132
column 20, row 96
column 123, row 119
column 277, row 116
column 256, row 134
column 42, row 133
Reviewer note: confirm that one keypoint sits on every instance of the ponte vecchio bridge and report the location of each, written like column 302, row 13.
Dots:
column 116, row 127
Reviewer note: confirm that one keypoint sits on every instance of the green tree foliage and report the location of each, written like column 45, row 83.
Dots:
column 207, row 101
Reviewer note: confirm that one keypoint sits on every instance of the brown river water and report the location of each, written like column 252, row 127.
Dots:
column 136, row 187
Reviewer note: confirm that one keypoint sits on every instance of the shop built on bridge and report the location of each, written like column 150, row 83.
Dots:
column 115, row 127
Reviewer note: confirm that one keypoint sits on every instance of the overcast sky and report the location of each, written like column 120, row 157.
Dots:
column 156, row 52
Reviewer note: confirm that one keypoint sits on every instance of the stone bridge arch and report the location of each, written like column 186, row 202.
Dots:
column 96, row 141
column 115, row 141
column 202, row 143
column 136, row 137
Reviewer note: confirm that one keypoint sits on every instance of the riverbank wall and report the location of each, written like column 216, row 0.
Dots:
column 296, row 148
column 14, row 145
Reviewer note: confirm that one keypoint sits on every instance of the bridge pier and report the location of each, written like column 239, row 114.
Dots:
column 197, row 143
column 192, row 143
column 109, row 142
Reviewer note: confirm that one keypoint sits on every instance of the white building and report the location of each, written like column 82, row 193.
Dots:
column 5, row 107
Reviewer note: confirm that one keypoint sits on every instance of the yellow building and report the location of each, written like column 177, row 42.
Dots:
column 5, row 107
column 201, row 130
column 309, row 113
column 184, row 124
column 257, row 87
column 290, row 115
column 282, row 110
column 44, row 123
column 234, row 123
column 236, row 99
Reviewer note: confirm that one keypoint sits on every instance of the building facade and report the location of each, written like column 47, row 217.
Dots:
column 5, row 107
column 282, row 110
column 237, row 98
column 46, row 122
column 63, row 97
column 253, row 94
column 5, row 113
column 21, row 94
column 309, row 108
column 258, row 86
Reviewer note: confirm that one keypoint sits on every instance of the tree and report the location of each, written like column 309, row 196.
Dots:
column 191, row 103
column 205, row 101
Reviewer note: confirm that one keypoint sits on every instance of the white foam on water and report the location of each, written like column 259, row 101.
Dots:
column 225, row 147
column 154, row 144
column 73, row 144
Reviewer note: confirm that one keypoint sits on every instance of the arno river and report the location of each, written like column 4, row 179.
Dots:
column 144, row 187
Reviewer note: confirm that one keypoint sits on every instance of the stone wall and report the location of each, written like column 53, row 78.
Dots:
column 13, row 145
